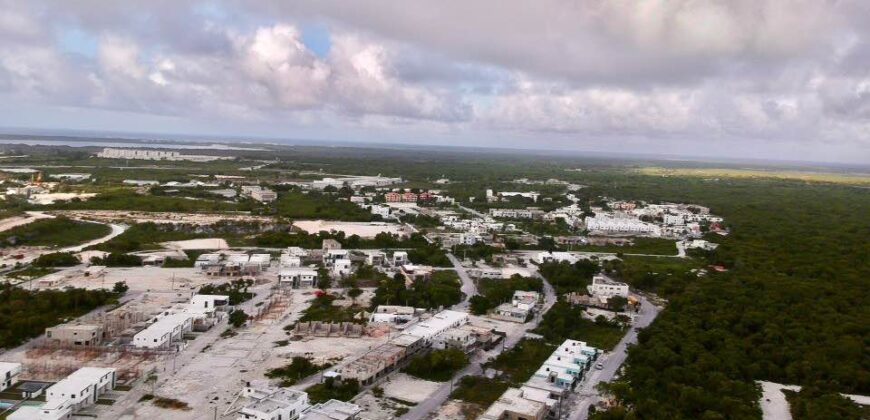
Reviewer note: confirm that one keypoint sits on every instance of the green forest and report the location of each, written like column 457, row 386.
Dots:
column 790, row 309
column 25, row 314
column 57, row 232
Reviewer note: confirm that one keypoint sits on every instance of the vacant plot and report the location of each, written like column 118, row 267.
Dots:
column 361, row 229
column 58, row 232
column 828, row 177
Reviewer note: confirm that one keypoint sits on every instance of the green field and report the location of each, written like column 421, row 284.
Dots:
column 807, row 176
column 56, row 233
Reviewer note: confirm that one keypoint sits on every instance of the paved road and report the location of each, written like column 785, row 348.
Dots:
column 530, row 254
column 468, row 286
column 474, row 212
column 117, row 229
column 774, row 405
column 431, row 404
column 612, row 361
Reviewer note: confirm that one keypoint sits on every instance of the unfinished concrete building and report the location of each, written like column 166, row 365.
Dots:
column 328, row 329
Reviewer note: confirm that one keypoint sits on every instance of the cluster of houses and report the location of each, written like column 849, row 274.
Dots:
column 233, row 264
column 522, row 306
column 442, row 330
column 258, row 193
column 407, row 197
column 263, row 402
column 65, row 398
column 506, row 195
column 540, row 396
column 156, row 331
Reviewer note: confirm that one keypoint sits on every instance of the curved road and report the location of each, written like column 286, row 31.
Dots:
column 468, row 288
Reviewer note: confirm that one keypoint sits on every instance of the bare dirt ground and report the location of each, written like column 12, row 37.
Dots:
column 206, row 243
column 161, row 217
column 12, row 222
column 408, row 388
column 362, row 229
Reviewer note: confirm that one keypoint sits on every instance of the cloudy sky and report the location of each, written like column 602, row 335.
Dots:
column 776, row 79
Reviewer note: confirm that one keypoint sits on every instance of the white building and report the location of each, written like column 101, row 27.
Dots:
column 504, row 194
column 332, row 410
column 558, row 257
column 393, row 314
column 260, row 261
column 266, row 403
column 163, row 332
column 603, row 286
column 516, row 213
column 71, row 177
column 355, row 182
column 437, row 324
column 295, row 251
column 376, row 258
column 332, row 255
column 112, row 153
column 515, row 403
column 289, row 261
column 400, row 258
column 381, row 210
column 80, row 389
column 205, row 260
column 470, row 238
column 298, row 277
column 207, row 304
column 624, row 225
column 9, row 374
column 263, row 195
column 342, row 267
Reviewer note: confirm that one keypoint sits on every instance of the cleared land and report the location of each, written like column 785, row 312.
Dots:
column 829, row 177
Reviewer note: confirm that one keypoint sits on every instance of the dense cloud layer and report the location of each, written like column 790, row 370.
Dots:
column 753, row 78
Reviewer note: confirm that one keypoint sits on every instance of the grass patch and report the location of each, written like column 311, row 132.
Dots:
column 25, row 314
column 322, row 309
column 170, row 403
column 437, row 365
column 815, row 404
column 315, row 205
column 442, row 289
column 654, row 246
column 497, row 291
column 56, row 233
column 564, row 321
column 332, row 389
column 300, row 368
column 127, row 199
column 522, row 361
column 479, row 390
column 826, row 177
column 149, row 235
column 31, row 272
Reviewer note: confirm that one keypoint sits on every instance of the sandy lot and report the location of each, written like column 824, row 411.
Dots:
column 50, row 198
column 408, row 388
column 141, row 279
column 16, row 221
column 207, row 243
column 162, row 217
column 375, row 408
column 361, row 229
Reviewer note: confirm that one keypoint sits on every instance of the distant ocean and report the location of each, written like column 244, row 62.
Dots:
column 127, row 144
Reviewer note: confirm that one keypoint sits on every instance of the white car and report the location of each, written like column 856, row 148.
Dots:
column 599, row 366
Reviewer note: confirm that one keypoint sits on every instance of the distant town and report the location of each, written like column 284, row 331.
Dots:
column 238, row 289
